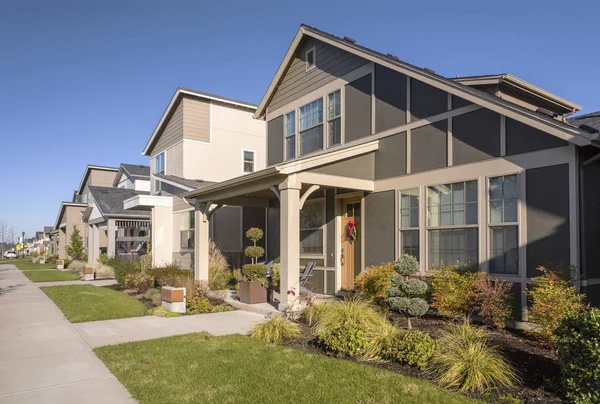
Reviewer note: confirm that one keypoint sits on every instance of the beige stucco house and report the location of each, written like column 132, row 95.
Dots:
column 483, row 170
column 201, row 139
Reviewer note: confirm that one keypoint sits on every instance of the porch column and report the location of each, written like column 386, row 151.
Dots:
column 96, row 245
column 111, row 236
column 162, row 235
column 201, row 241
column 90, row 244
column 290, row 244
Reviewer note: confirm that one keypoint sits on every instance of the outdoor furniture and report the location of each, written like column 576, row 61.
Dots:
column 306, row 273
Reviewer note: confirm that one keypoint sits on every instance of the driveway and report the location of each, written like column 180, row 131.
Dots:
column 43, row 358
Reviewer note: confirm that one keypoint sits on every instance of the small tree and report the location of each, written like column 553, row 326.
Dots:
column 254, row 252
column 406, row 295
column 75, row 248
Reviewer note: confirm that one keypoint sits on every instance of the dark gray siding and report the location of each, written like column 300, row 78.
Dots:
column 330, row 220
column 426, row 100
column 358, row 167
column 358, row 109
column 275, row 141
column 273, row 230
column 458, row 102
column 476, row 136
column 379, row 228
column 331, row 63
column 522, row 138
column 390, row 98
column 547, row 217
column 592, row 293
column 590, row 214
column 429, row 147
column 390, row 158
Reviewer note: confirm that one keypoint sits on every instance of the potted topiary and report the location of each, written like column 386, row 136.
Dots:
column 254, row 276
column 405, row 295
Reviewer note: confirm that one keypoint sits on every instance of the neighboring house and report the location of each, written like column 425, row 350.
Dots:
column 69, row 217
column 592, row 120
column 133, row 176
column 200, row 139
column 484, row 171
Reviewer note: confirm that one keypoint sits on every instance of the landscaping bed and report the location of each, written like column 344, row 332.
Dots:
column 51, row 275
column 239, row 369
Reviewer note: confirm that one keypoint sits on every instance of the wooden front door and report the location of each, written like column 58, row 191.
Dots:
column 350, row 254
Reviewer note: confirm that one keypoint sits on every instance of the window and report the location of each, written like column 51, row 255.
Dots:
column 452, row 224
column 157, row 186
column 290, row 135
column 187, row 230
column 503, row 224
column 311, row 58
column 334, row 118
column 311, row 127
column 409, row 222
column 159, row 163
column 248, row 161
column 312, row 223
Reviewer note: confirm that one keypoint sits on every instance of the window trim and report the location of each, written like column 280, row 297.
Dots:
column 300, row 131
column 286, row 136
column 314, row 64
column 164, row 154
column 323, row 227
column 399, row 221
column 190, row 229
column 327, row 120
column 244, row 161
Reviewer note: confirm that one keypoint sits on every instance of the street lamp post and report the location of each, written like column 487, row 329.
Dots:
column 23, row 243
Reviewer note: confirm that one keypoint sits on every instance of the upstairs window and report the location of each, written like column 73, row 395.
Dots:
column 334, row 118
column 248, row 161
column 159, row 164
column 311, row 59
column 311, row 127
column 290, row 135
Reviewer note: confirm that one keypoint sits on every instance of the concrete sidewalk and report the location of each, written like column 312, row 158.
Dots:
column 110, row 332
column 43, row 358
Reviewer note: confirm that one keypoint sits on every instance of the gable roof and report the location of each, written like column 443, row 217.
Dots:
column 179, row 93
column 559, row 129
column 592, row 119
column 110, row 200
column 135, row 171
column 86, row 174
column 62, row 208
column 185, row 184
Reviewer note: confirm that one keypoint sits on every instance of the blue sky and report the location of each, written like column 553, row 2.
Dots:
column 85, row 82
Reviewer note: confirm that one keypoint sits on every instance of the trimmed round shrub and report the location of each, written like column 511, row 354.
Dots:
column 578, row 337
column 406, row 265
column 345, row 339
column 254, row 251
column 276, row 330
column 255, row 272
column 411, row 307
column 413, row 287
column 406, row 296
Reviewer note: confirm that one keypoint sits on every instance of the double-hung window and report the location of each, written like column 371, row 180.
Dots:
column 334, row 118
column 312, row 223
column 409, row 222
column 159, row 163
column 187, row 230
column 310, row 124
column 290, row 135
column 503, row 225
column 248, row 161
column 452, row 224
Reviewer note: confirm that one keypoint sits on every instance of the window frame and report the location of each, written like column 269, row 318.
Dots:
column 327, row 120
column 490, row 226
column 402, row 229
column 314, row 63
column 164, row 163
column 244, row 161
column 190, row 230
column 323, row 228
column 286, row 118
column 300, row 131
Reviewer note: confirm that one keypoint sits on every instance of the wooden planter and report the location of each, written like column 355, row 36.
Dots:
column 252, row 292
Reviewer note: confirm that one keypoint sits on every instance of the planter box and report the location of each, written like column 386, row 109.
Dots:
column 88, row 274
column 252, row 292
column 60, row 264
column 173, row 299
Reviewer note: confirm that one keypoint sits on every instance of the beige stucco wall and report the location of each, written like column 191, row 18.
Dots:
column 73, row 216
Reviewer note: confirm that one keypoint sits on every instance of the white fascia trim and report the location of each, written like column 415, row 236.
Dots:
column 147, row 201
column 172, row 103
column 175, row 184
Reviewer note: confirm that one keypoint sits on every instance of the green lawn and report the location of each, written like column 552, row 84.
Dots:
column 51, row 275
column 82, row 303
column 198, row 368
column 25, row 264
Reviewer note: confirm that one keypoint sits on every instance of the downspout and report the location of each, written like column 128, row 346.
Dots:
column 583, row 269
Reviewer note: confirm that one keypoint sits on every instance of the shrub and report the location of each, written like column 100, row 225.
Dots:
column 413, row 348
column 255, row 273
column 405, row 295
column 37, row 260
column 254, row 252
column 75, row 249
column 103, row 258
column 494, row 299
column 122, row 268
column 578, row 337
column 193, row 287
column 198, row 304
column 103, row 271
column 219, row 276
column 467, row 362
column 276, row 275
column 162, row 312
column 383, row 342
column 276, row 330
column 76, row 266
column 454, row 291
column 171, row 275
column 373, row 282
column 154, row 296
column 553, row 298
column 146, row 263
column 344, row 339
column 139, row 282
column 66, row 263
column 311, row 314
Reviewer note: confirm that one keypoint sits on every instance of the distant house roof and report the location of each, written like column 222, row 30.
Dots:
column 136, row 171
column 592, row 119
column 87, row 173
column 185, row 184
column 48, row 229
column 179, row 93
column 62, row 208
column 109, row 201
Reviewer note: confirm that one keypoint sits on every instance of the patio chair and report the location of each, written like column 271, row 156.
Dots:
column 306, row 273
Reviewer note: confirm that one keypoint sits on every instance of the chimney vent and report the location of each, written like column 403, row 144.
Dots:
column 546, row 112
column 348, row 39
column 392, row 56
column 429, row 70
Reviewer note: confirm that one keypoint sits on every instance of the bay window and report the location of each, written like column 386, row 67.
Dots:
column 452, row 224
column 310, row 124
column 187, row 230
column 334, row 118
column 409, row 222
column 312, row 224
column 503, row 224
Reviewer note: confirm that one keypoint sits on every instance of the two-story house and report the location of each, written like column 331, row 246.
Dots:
column 483, row 170
column 201, row 139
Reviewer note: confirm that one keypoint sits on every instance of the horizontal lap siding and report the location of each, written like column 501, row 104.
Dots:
column 331, row 63
column 196, row 122
column 275, row 141
column 379, row 228
column 173, row 131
